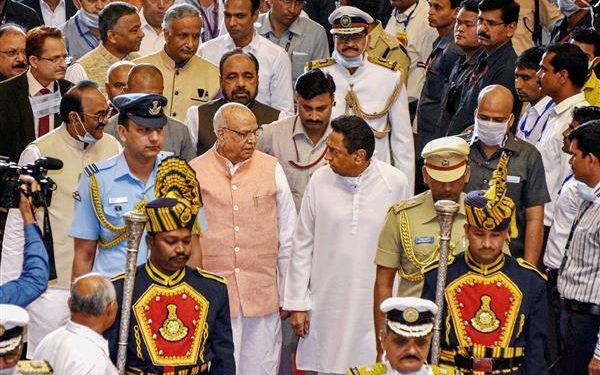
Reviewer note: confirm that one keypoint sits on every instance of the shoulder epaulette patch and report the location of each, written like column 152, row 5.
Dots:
column 376, row 369
column 118, row 277
column 90, row 169
column 314, row 64
column 409, row 203
column 435, row 264
column 390, row 40
column 392, row 65
column 525, row 264
column 210, row 275
column 35, row 367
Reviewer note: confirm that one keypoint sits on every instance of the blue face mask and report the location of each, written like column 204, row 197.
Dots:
column 348, row 62
column 87, row 137
column 88, row 19
column 586, row 193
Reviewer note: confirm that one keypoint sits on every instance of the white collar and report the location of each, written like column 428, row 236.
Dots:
column 35, row 86
column 251, row 47
column 569, row 102
column 88, row 334
column 540, row 106
column 61, row 4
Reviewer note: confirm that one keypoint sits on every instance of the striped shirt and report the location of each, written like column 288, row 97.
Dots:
column 579, row 277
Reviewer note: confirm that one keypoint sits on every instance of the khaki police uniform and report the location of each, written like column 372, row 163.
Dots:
column 383, row 45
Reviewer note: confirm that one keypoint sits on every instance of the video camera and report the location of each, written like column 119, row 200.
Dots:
column 10, row 172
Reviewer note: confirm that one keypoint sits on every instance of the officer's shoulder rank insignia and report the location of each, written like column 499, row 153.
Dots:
column 90, row 169
column 391, row 65
column 525, row 264
column 408, row 203
column 212, row 276
column 33, row 367
column 376, row 369
column 320, row 63
column 392, row 42
column 118, row 277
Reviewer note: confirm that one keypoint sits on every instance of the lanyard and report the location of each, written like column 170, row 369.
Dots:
column 82, row 34
column 296, row 164
column 570, row 176
column 408, row 17
column 212, row 30
column 475, row 76
column 527, row 133
column 289, row 41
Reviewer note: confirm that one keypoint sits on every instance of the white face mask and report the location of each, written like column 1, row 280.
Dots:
column 8, row 371
column 490, row 133
column 348, row 62
column 86, row 137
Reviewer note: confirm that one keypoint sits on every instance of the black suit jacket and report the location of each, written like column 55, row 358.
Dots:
column 21, row 15
column 16, row 117
column 70, row 8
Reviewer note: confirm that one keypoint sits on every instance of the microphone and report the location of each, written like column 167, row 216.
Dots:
column 49, row 163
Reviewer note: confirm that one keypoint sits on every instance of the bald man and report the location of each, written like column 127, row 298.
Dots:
column 147, row 79
column 526, row 180
column 116, row 79
column 12, row 52
column 78, row 347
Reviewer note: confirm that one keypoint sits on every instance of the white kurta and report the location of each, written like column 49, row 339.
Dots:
column 373, row 84
column 331, row 271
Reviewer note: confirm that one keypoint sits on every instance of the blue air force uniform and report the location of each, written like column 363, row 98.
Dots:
column 173, row 340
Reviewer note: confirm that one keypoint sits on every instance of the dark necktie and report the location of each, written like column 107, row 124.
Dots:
column 44, row 122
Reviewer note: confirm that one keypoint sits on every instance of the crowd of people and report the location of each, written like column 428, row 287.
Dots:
column 287, row 159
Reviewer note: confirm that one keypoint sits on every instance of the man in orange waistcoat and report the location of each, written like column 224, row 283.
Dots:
column 251, row 217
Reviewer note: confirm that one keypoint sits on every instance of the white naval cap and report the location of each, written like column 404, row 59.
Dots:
column 13, row 320
column 349, row 20
column 409, row 316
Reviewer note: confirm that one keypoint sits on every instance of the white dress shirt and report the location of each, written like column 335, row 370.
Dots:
column 331, row 271
column 152, row 41
column 420, row 43
column 274, row 73
column 34, row 89
column 76, row 349
column 56, row 17
column 534, row 119
column 556, row 162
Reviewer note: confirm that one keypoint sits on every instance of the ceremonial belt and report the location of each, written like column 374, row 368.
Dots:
column 508, row 359
column 580, row 307
column 202, row 369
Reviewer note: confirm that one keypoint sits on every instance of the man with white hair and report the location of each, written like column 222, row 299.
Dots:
column 189, row 79
column 247, row 190
column 78, row 347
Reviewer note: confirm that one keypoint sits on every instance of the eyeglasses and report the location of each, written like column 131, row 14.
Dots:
column 13, row 52
column 489, row 23
column 246, row 135
column 100, row 115
column 58, row 59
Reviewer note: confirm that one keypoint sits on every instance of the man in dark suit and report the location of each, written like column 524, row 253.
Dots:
column 17, row 13
column 36, row 5
column 29, row 102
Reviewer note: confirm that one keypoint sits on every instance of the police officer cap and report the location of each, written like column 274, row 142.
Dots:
column 146, row 110
column 409, row 316
column 13, row 320
column 349, row 20
column 446, row 158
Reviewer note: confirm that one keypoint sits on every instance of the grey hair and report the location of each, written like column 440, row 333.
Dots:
column 117, row 65
column 219, row 119
column 178, row 11
column 96, row 303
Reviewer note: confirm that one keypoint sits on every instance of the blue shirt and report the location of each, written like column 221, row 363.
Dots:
column 34, row 279
column 119, row 192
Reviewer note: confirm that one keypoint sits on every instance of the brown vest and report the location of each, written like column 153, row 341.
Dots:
column 241, row 242
column 206, row 112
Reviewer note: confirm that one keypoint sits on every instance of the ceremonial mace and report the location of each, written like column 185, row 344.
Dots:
column 135, row 221
column 446, row 212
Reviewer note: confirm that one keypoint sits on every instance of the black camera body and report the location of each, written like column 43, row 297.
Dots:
column 10, row 173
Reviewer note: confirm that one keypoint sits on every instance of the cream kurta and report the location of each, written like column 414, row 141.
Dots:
column 373, row 84
column 331, row 270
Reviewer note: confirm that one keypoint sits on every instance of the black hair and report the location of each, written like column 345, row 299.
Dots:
column 588, row 35
column 314, row 83
column 510, row 9
column 588, row 138
column 531, row 58
column 255, row 5
column 234, row 52
column 571, row 58
column 71, row 101
column 470, row 5
column 111, row 14
column 357, row 134
column 586, row 114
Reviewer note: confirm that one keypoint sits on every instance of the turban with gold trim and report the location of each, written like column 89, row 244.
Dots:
column 177, row 198
column 492, row 209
